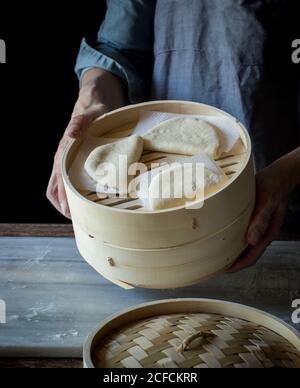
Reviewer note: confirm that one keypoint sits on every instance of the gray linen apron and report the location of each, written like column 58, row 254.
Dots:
column 226, row 53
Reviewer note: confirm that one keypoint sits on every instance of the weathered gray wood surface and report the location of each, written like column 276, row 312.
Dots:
column 41, row 363
column 54, row 298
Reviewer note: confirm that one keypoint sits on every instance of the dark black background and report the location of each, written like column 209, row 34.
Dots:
column 38, row 88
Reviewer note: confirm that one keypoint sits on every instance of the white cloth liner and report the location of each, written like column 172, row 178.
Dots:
column 81, row 180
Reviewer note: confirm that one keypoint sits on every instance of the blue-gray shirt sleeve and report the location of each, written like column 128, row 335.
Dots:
column 124, row 46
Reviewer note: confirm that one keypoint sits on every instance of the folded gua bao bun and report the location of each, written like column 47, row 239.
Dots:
column 96, row 163
column 184, row 136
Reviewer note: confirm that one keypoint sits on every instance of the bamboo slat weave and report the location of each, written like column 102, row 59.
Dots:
column 195, row 341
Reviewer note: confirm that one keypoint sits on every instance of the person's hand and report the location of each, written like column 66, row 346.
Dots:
column 87, row 109
column 100, row 92
column 273, row 188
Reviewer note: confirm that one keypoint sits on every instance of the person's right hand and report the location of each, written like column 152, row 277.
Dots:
column 100, row 92
column 87, row 108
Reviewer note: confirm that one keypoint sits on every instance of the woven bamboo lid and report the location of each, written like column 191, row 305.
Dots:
column 197, row 340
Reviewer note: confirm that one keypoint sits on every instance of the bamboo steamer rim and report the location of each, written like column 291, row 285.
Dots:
column 188, row 306
column 149, row 104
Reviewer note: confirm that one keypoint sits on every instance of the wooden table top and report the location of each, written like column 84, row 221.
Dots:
column 66, row 230
column 44, row 281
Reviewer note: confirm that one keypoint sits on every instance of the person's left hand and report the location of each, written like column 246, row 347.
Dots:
column 271, row 202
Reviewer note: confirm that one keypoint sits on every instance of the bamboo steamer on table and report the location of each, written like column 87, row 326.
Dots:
column 192, row 333
column 167, row 248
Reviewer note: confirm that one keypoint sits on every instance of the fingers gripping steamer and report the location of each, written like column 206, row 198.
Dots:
column 167, row 248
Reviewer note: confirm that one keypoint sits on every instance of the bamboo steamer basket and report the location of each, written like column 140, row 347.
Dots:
column 192, row 333
column 130, row 247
